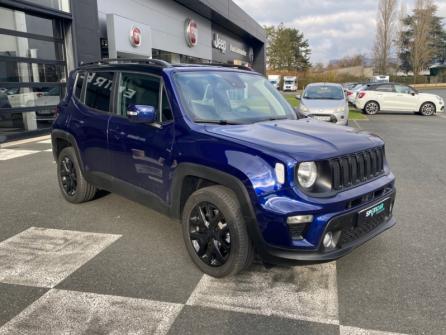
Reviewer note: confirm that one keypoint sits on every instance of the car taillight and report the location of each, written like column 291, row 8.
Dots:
column 361, row 95
column 349, row 92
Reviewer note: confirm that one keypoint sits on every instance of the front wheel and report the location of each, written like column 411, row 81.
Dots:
column 427, row 109
column 371, row 108
column 215, row 233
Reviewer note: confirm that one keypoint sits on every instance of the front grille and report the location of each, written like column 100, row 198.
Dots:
column 356, row 168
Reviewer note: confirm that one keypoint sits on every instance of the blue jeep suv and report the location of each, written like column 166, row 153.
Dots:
column 220, row 149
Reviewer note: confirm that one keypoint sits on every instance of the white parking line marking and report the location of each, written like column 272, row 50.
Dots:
column 68, row 312
column 345, row 330
column 6, row 154
column 48, row 150
column 305, row 293
column 44, row 257
column 45, row 141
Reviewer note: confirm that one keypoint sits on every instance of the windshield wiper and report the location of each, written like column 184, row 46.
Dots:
column 221, row 122
column 273, row 118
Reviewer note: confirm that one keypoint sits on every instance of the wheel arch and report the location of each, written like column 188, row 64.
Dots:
column 61, row 139
column 210, row 176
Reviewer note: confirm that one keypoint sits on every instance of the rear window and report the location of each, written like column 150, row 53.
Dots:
column 98, row 92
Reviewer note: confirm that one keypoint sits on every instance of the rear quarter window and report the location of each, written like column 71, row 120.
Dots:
column 98, row 91
column 80, row 78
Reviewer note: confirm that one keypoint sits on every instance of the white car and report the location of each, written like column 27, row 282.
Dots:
column 353, row 92
column 397, row 98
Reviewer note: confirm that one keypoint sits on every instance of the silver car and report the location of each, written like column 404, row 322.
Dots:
column 325, row 102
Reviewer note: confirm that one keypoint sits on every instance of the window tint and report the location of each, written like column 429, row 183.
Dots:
column 403, row 89
column 99, row 86
column 166, row 114
column 138, row 89
column 384, row 88
column 79, row 84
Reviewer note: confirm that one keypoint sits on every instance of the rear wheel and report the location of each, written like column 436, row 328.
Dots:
column 371, row 108
column 72, row 183
column 215, row 233
column 427, row 109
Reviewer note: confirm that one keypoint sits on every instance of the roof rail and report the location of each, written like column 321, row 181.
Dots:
column 149, row 61
column 241, row 67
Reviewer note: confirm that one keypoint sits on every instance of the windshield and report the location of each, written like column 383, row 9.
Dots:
column 324, row 92
column 289, row 82
column 230, row 97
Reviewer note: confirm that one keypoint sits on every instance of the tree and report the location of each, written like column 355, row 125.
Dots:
column 287, row 49
column 385, row 30
column 423, row 39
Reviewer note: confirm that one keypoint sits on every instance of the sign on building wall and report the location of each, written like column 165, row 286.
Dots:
column 227, row 47
column 128, row 38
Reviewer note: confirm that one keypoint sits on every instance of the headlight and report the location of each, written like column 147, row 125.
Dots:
column 303, row 108
column 307, row 174
column 340, row 109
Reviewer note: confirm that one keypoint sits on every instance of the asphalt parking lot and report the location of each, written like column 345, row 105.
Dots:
column 112, row 265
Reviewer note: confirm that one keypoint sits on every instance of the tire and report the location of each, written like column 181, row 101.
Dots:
column 371, row 108
column 427, row 109
column 220, row 215
column 74, row 187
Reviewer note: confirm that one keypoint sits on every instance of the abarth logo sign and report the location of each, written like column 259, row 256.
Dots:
column 135, row 37
column 191, row 32
column 375, row 210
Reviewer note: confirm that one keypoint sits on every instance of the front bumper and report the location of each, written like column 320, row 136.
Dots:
column 346, row 221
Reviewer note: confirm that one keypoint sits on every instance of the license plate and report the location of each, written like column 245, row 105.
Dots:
column 322, row 118
column 376, row 212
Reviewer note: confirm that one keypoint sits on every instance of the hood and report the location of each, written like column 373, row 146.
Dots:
column 303, row 140
column 430, row 96
column 323, row 106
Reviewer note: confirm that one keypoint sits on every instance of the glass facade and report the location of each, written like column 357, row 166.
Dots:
column 62, row 5
column 32, row 70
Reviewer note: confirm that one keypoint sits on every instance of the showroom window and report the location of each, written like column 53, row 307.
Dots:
column 32, row 71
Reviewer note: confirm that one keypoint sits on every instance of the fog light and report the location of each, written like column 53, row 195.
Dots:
column 331, row 240
column 299, row 219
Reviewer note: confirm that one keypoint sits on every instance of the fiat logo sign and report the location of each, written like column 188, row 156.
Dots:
column 135, row 37
column 191, row 33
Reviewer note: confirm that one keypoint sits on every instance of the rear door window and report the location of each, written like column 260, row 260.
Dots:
column 99, row 90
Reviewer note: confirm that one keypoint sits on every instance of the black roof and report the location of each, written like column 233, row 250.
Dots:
column 156, row 63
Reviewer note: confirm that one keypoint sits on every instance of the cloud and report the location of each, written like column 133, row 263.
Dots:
column 333, row 28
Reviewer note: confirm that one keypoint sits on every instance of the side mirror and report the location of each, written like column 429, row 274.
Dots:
column 298, row 96
column 141, row 114
column 412, row 94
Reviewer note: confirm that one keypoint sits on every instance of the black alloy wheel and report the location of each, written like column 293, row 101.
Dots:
column 68, row 176
column 209, row 234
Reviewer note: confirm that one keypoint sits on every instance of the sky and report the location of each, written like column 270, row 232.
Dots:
column 334, row 28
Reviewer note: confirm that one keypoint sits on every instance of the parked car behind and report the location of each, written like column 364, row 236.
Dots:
column 398, row 98
column 353, row 92
column 325, row 102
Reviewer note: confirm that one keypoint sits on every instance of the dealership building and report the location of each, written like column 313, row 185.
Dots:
column 42, row 40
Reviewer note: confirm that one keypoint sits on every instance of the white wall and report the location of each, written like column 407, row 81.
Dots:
column 166, row 20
